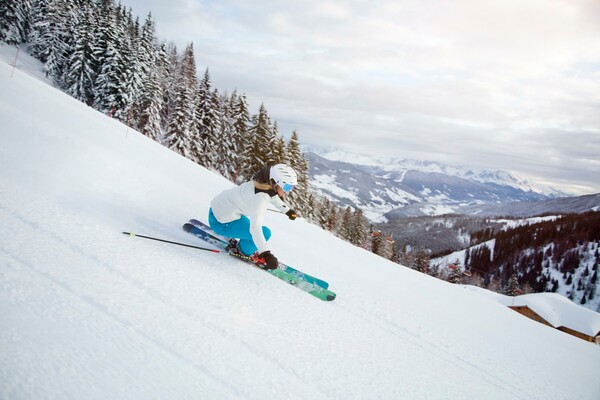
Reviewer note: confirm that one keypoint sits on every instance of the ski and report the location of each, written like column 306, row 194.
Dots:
column 221, row 243
column 294, row 280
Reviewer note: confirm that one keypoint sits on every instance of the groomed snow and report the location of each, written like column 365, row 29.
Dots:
column 89, row 313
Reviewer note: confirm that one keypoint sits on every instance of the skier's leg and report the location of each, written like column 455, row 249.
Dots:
column 246, row 244
column 237, row 229
column 233, row 229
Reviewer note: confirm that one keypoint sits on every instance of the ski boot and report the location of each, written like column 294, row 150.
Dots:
column 232, row 247
column 258, row 261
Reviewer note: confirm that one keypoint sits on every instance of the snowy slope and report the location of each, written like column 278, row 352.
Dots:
column 87, row 312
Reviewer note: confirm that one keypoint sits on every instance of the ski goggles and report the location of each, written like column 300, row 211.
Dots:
column 287, row 187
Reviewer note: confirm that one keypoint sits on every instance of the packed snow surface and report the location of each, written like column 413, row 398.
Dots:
column 89, row 313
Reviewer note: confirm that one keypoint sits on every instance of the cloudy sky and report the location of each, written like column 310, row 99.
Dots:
column 496, row 84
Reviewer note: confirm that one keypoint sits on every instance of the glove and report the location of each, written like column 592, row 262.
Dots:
column 270, row 259
column 291, row 214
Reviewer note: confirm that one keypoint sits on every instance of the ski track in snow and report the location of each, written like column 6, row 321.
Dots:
column 127, row 325
column 57, row 242
column 444, row 354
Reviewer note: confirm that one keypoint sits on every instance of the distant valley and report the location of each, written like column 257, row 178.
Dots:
column 431, row 206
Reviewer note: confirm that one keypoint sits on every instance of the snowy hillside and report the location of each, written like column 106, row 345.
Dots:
column 88, row 313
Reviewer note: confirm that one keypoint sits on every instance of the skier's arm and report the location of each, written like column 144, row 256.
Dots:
column 279, row 204
column 256, row 217
column 283, row 208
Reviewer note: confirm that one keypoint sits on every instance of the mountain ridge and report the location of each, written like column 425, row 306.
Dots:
column 562, row 205
column 501, row 177
column 379, row 189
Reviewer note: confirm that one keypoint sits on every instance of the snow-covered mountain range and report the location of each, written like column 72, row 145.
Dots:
column 378, row 186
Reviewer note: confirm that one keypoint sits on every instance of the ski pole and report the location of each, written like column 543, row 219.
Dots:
column 280, row 212
column 176, row 243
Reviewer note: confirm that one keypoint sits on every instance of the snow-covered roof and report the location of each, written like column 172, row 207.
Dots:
column 557, row 310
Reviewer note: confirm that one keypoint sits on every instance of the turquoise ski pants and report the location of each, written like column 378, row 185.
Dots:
column 239, row 229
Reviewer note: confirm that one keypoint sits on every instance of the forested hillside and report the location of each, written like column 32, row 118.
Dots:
column 556, row 255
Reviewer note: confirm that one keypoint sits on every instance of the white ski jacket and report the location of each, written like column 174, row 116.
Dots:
column 247, row 200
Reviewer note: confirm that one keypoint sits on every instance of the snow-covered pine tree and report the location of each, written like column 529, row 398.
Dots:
column 280, row 155
column 406, row 257
column 312, row 202
column 111, row 89
column 202, row 130
column 104, row 34
column 261, row 143
column 295, row 158
column 421, row 261
column 201, row 104
column 150, row 103
column 394, row 255
column 228, row 151
column 180, row 132
column 187, row 66
column 169, row 83
column 345, row 231
column 79, row 73
column 359, row 228
column 15, row 19
column 455, row 272
column 132, row 74
column 178, row 136
column 333, row 219
column 50, row 34
column 38, row 30
column 322, row 212
column 512, row 288
column 241, row 123
column 214, row 139
column 207, row 123
column 72, row 23
column 141, row 62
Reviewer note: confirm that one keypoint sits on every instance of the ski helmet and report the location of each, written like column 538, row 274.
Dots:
column 284, row 176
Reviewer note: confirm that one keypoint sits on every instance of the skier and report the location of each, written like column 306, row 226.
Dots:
column 239, row 212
